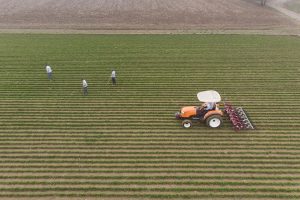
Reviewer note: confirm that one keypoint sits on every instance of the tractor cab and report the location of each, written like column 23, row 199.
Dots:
column 208, row 112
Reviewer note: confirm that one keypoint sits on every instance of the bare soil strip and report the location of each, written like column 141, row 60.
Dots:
column 145, row 17
column 284, row 31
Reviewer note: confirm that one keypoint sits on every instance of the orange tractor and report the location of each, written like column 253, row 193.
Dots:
column 210, row 113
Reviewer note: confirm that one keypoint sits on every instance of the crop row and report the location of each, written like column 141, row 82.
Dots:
column 170, row 182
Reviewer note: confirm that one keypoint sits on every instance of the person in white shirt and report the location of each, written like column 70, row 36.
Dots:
column 201, row 111
column 84, row 87
column 113, row 77
column 49, row 72
column 209, row 105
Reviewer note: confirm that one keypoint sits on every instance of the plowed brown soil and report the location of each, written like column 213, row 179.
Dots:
column 140, row 15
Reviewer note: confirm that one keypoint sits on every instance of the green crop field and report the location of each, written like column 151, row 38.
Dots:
column 123, row 142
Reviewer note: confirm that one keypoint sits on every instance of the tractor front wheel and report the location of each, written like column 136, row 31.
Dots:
column 186, row 123
column 214, row 121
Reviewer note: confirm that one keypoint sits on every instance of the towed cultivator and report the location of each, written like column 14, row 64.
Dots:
column 238, row 117
column 210, row 113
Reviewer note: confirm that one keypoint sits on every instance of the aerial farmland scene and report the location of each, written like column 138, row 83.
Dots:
column 149, row 99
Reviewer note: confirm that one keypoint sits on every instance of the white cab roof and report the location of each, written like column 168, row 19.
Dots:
column 209, row 96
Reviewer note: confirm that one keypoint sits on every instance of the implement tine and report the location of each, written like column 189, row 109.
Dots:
column 237, row 117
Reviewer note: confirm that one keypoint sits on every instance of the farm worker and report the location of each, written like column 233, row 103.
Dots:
column 200, row 112
column 113, row 77
column 209, row 105
column 84, row 87
column 49, row 72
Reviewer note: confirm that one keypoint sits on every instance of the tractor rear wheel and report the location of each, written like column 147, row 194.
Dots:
column 214, row 121
column 186, row 123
